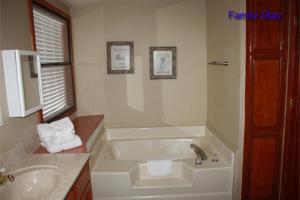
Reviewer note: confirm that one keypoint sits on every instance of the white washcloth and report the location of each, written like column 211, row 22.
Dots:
column 159, row 167
column 54, row 148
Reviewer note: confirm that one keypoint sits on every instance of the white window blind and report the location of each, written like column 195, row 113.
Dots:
column 51, row 43
column 48, row 36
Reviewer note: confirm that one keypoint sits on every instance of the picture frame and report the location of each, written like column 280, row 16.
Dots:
column 163, row 63
column 120, row 57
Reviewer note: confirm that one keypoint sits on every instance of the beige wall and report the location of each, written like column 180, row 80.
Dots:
column 1, row 118
column 135, row 100
column 223, row 43
column 226, row 85
column 15, row 34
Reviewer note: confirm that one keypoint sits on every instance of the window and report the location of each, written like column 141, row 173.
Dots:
column 52, row 39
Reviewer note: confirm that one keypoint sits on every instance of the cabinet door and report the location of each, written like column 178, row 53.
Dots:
column 87, row 194
column 71, row 195
column 82, row 181
column 82, row 187
column 266, row 72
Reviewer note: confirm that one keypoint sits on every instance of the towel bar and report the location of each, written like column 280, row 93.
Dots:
column 225, row 63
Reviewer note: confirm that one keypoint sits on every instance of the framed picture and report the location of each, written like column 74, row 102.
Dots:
column 120, row 57
column 162, row 62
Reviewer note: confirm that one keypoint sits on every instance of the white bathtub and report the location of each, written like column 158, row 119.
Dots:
column 155, row 149
column 120, row 171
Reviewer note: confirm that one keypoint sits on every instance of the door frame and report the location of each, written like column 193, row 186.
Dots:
column 289, row 181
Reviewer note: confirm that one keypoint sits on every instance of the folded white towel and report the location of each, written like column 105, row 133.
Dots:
column 58, row 135
column 159, row 167
column 60, row 129
column 62, row 139
column 54, row 148
column 63, row 124
column 46, row 132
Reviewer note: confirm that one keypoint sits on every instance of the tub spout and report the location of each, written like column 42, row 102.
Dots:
column 200, row 154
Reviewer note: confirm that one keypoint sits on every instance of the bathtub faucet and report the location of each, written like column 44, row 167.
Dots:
column 200, row 154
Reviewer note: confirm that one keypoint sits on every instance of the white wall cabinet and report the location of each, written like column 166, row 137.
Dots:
column 22, row 74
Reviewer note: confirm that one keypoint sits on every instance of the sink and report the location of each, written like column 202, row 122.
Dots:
column 32, row 183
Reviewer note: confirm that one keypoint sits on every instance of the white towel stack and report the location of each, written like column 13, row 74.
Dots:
column 58, row 135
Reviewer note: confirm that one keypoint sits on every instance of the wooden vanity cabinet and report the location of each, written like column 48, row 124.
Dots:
column 87, row 194
column 81, row 189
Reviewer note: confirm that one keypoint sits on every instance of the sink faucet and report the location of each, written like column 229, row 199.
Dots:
column 5, row 178
column 200, row 154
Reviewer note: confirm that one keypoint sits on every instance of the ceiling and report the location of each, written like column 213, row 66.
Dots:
column 78, row 3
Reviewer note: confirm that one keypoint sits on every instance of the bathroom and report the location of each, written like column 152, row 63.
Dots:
column 217, row 97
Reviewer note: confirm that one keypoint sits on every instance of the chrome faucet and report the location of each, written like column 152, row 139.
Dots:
column 5, row 178
column 200, row 154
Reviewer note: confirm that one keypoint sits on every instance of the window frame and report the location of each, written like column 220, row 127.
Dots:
column 60, row 13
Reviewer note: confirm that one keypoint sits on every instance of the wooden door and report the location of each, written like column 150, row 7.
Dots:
column 266, row 71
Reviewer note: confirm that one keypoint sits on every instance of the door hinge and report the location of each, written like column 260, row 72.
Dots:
column 295, row 21
column 291, row 103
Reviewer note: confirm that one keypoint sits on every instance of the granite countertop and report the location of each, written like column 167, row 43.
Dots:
column 69, row 165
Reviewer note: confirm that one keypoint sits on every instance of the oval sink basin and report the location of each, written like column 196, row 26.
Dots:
column 31, row 183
